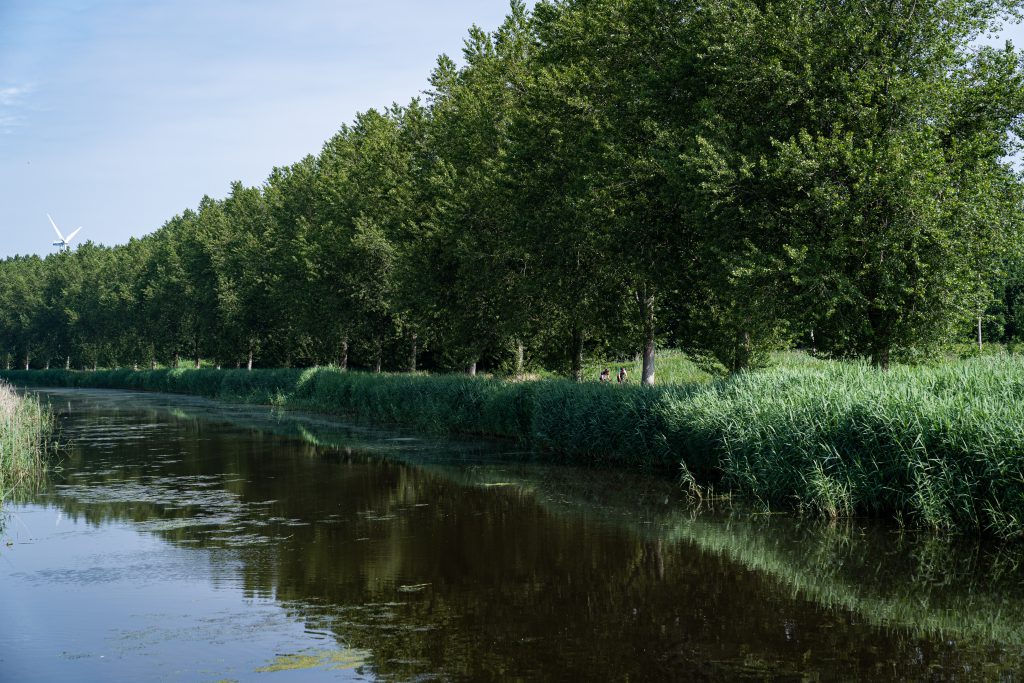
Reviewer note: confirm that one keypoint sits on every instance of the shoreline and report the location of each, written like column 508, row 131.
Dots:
column 932, row 447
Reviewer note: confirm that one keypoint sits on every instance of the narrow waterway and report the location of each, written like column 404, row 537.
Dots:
column 185, row 540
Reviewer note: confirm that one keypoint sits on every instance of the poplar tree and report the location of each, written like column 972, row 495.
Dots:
column 468, row 256
column 851, row 169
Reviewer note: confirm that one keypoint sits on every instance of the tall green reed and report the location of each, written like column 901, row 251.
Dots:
column 25, row 426
column 935, row 446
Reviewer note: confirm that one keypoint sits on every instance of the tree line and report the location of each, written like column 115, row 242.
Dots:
column 597, row 177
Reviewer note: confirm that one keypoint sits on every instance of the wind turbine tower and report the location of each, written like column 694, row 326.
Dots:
column 63, row 242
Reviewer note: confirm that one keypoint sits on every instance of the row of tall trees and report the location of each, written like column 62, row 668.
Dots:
column 597, row 176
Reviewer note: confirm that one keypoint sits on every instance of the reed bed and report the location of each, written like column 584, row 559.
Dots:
column 941, row 447
column 25, row 426
column 932, row 446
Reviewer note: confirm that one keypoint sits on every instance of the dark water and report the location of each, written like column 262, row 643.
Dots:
column 183, row 540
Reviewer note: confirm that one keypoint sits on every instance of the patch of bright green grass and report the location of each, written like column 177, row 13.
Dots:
column 670, row 367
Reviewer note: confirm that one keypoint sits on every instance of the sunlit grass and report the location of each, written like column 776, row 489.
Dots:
column 25, row 426
column 941, row 446
column 671, row 367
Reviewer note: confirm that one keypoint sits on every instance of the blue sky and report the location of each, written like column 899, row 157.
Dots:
column 117, row 114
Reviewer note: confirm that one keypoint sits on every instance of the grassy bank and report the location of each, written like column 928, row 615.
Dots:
column 24, row 430
column 941, row 447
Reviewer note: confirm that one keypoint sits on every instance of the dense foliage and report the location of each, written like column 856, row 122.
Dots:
column 598, row 177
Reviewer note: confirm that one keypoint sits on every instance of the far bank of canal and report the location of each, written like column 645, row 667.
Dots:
column 183, row 539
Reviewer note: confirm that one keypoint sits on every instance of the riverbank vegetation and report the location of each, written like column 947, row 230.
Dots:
column 932, row 584
column 888, row 579
column 934, row 446
column 25, row 427
column 592, row 180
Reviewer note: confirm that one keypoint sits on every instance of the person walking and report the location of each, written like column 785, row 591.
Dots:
column 621, row 377
column 606, row 376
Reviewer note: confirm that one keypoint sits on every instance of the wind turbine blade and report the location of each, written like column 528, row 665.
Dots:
column 72, row 235
column 55, row 229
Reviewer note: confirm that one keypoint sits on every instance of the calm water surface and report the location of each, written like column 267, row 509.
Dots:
column 183, row 540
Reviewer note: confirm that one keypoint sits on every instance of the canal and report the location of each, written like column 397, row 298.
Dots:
column 179, row 539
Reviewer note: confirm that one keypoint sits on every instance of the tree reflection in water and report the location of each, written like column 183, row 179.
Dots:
column 458, row 560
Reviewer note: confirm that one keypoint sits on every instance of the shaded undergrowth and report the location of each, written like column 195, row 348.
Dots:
column 940, row 447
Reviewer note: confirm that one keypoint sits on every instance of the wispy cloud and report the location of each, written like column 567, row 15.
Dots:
column 12, row 96
column 12, row 100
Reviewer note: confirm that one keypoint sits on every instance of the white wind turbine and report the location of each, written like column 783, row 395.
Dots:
column 62, row 241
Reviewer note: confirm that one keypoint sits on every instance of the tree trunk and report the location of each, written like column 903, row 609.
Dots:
column 47, row 365
column 979, row 335
column 646, row 301
column 577, row 354
column 197, row 362
column 152, row 363
column 412, row 354
column 67, row 363
column 743, row 353
column 520, row 359
column 28, row 361
column 1010, row 297
column 343, row 359
column 471, row 369
column 378, row 363
column 248, row 363
column 881, row 337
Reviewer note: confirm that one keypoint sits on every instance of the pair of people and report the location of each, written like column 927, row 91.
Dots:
column 606, row 375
